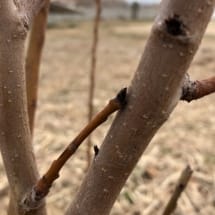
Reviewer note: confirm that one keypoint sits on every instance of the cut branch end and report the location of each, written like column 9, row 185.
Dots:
column 193, row 90
column 182, row 183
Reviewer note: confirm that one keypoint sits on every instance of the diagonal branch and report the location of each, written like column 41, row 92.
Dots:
column 153, row 93
column 193, row 90
column 182, row 183
column 40, row 190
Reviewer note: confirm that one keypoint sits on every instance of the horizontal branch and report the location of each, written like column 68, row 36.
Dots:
column 40, row 190
column 182, row 183
column 193, row 90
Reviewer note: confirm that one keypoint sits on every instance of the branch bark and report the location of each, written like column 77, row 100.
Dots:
column 17, row 152
column 193, row 90
column 154, row 92
column 182, row 183
column 33, row 59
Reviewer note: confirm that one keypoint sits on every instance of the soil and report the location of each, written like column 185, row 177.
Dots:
column 188, row 137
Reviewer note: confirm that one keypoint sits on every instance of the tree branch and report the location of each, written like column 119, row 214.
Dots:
column 193, row 90
column 40, row 190
column 33, row 59
column 154, row 92
column 34, row 53
column 182, row 183
column 15, row 141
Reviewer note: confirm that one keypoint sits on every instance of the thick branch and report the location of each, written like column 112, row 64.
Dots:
column 40, row 190
column 182, row 183
column 193, row 90
column 152, row 95
column 33, row 59
column 15, row 138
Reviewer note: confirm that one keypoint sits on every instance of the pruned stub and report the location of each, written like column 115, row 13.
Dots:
column 175, row 26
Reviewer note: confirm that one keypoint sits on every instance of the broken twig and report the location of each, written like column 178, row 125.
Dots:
column 33, row 199
column 182, row 183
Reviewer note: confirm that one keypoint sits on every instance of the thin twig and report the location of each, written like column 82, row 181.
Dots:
column 93, row 70
column 193, row 90
column 182, row 183
column 40, row 190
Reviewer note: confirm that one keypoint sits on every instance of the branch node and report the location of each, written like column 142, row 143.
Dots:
column 32, row 201
column 96, row 150
column 122, row 97
column 188, row 90
column 193, row 90
column 175, row 26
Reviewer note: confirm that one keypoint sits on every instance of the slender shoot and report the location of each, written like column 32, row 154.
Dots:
column 93, row 71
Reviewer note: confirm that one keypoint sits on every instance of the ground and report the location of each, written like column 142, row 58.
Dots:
column 187, row 137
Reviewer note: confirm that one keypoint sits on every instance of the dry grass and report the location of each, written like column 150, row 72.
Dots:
column 187, row 137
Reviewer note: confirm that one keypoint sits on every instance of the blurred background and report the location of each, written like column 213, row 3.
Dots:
column 187, row 137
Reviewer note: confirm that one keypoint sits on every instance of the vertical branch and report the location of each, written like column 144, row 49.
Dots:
column 93, row 70
column 34, row 52
column 182, row 183
column 33, row 58
column 15, row 141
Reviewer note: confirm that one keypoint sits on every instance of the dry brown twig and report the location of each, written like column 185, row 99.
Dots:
column 34, row 198
column 193, row 90
column 93, row 70
column 182, row 183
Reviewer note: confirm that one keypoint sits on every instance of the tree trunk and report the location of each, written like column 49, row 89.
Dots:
column 15, row 141
column 154, row 92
